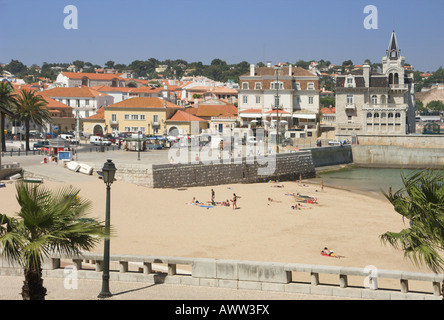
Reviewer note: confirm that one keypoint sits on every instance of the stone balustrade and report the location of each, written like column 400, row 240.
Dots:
column 238, row 274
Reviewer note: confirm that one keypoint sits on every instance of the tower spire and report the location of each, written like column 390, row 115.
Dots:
column 393, row 52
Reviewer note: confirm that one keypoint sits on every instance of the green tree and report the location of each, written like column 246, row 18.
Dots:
column 435, row 105
column 16, row 67
column 110, row 64
column 48, row 222
column 420, row 106
column 79, row 63
column 421, row 202
column 326, row 102
column 7, row 101
column 30, row 107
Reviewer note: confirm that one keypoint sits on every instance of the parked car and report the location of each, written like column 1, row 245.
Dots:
column 41, row 144
column 99, row 141
column 334, row 143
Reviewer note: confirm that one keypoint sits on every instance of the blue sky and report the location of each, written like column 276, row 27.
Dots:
column 234, row 31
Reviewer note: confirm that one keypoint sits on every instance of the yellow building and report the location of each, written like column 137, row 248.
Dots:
column 183, row 123
column 146, row 114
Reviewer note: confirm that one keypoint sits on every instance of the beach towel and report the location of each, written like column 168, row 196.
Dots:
column 206, row 206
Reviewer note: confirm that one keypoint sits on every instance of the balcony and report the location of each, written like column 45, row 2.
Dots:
column 114, row 123
column 398, row 87
column 350, row 106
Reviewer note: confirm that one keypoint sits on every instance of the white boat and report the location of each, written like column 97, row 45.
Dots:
column 73, row 166
column 86, row 169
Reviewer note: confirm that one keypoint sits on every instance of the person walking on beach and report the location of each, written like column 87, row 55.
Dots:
column 213, row 196
column 234, row 201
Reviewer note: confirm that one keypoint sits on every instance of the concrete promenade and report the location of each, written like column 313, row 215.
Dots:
column 10, row 289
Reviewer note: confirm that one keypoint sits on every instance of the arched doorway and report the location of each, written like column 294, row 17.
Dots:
column 98, row 130
column 173, row 131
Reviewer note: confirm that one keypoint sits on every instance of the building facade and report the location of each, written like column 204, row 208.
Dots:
column 285, row 92
column 369, row 102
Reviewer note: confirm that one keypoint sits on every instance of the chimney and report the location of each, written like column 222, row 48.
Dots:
column 366, row 74
column 290, row 70
column 251, row 70
column 268, row 64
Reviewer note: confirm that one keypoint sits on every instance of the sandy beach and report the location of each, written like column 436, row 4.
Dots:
column 163, row 222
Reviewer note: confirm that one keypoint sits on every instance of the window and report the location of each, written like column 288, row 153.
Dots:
column 374, row 99
column 349, row 98
column 310, row 86
column 68, row 102
column 134, row 129
column 383, row 115
column 296, row 100
column 134, row 117
column 142, row 117
column 397, row 115
column 245, row 85
column 369, row 115
column 155, row 118
column 276, row 85
column 127, row 117
column 258, row 99
column 376, row 115
column 78, row 102
column 390, row 115
column 87, row 102
column 244, row 99
column 350, row 118
column 114, row 117
column 310, row 100
column 298, row 86
column 258, row 86
column 349, row 80
column 86, row 114
column 127, row 129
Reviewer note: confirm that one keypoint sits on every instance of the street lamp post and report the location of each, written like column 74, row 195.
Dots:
column 109, row 171
column 277, row 68
column 138, row 145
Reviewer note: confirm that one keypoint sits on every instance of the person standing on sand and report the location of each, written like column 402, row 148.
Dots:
column 234, row 201
column 213, row 196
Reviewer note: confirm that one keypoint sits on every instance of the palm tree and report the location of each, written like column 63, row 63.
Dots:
column 421, row 202
column 7, row 99
column 31, row 108
column 48, row 222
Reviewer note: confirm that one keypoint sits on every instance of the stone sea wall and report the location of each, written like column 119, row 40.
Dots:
column 284, row 166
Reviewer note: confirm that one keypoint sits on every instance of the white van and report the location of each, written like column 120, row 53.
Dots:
column 99, row 141
column 69, row 137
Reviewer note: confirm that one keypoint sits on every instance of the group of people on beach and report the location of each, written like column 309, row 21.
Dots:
column 225, row 203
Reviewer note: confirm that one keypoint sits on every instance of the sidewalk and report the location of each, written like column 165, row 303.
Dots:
column 89, row 289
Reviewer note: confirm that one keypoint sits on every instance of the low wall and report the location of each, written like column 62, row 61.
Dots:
column 284, row 166
column 407, row 140
column 397, row 157
column 7, row 170
column 329, row 156
column 252, row 275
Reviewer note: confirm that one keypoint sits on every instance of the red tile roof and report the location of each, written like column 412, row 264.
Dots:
column 182, row 116
column 144, row 102
column 92, row 76
column 72, row 92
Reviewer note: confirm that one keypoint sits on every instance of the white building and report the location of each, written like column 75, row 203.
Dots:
column 368, row 102
column 292, row 95
column 83, row 100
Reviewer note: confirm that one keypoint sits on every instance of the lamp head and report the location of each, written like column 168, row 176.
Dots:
column 109, row 171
